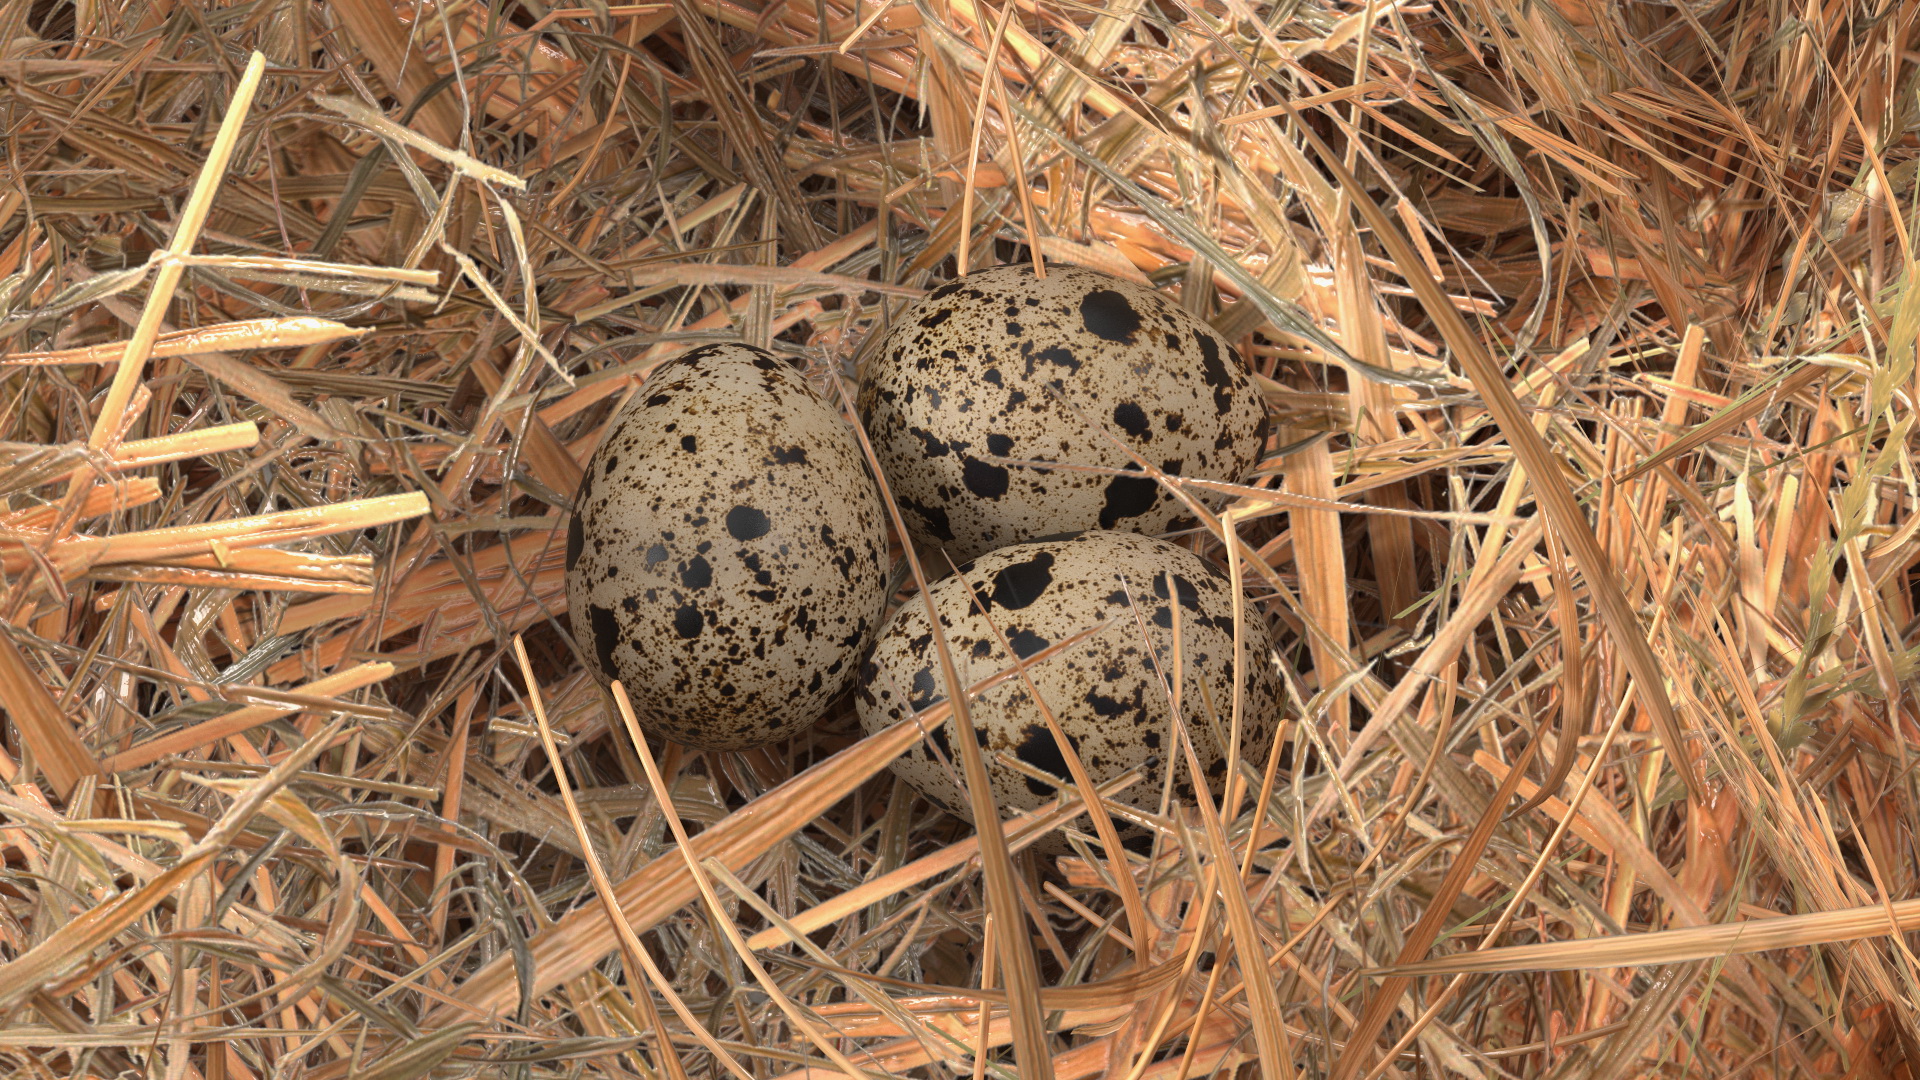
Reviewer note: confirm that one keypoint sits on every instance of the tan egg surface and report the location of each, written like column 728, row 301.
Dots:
column 1003, row 365
column 727, row 557
column 1105, row 692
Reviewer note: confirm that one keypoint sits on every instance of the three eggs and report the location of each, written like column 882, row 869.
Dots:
column 727, row 561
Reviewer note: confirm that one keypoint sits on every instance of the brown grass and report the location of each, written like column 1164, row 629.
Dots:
column 1588, row 330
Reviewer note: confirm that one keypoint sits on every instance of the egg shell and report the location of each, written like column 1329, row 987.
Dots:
column 1105, row 692
column 1000, row 364
column 727, row 559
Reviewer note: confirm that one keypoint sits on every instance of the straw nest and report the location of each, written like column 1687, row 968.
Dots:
column 1588, row 329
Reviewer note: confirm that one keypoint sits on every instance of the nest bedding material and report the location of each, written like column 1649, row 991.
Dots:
column 1587, row 331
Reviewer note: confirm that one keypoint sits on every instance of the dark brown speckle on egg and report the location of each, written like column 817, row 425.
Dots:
column 728, row 562
column 960, row 386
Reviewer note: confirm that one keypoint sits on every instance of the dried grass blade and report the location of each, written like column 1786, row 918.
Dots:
column 245, row 718
column 270, row 393
column 386, row 41
column 1777, row 388
column 579, row 939
column 821, row 1039
column 192, row 217
column 124, row 494
column 1386, row 999
column 631, row 950
column 1021, row 832
column 282, row 333
column 211, row 578
column 72, row 943
column 197, row 442
column 57, row 747
column 1542, row 469
column 77, row 555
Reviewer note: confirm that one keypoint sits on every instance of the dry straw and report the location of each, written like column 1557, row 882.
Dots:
column 1587, row 330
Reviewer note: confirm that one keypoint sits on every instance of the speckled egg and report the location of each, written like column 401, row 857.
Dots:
column 1001, row 364
column 1105, row 691
column 727, row 556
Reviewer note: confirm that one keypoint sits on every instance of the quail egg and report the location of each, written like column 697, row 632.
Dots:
column 1001, row 364
column 727, row 556
column 1106, row 692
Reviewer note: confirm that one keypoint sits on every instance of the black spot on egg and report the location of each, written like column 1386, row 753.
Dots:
column 984, row 480
column 688, row 443
column 1128, row 496
column 576, row 541
column 999, row 445
column 933, row 447
column 1132, row 419
column 789, row 455
column 698, row 573
column 1107, row 315
column 1020, row 584
column 687, row 621
column 1185, row 589
column 935, row 319
column 1113, row 708
column 747, row 523
column 656, row 554
column 1025, row 642
column 938, row 736
column 1059, row 357
column 932, row 518
column 925, row 690
column 606, row 634
column 1039, row 750
column 1215, row 371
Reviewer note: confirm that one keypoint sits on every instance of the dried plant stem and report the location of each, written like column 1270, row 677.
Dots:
column 1568, row 519
column 631, row 949
column 196, row 442
column 77, row 555
column 245, row 718
column 187, row 230
column 822, row 1039
column 1021, row 832
column 281, row 333
column 73, row 942
column 56, row 746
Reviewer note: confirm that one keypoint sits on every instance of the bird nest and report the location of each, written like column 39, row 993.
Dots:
column 1586, row 329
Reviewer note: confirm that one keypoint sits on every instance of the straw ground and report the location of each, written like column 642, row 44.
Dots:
column 1587, row 328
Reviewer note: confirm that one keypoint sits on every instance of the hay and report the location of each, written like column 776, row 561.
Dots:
column 1587, row 329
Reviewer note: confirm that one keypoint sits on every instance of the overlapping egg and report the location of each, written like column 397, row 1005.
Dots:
column 1109, row 693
